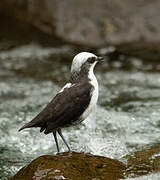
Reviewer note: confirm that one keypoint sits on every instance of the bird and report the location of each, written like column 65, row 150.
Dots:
column 74, row 102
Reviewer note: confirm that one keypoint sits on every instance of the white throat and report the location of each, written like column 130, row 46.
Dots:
column 95, row 93
column 92, row 77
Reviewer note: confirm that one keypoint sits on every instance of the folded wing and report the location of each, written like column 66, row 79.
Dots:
column 64, row 110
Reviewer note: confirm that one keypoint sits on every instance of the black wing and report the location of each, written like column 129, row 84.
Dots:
column 65, row 108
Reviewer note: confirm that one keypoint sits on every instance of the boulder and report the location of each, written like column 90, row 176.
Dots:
column 87, row 166
column 132, row 26
column 71, row 166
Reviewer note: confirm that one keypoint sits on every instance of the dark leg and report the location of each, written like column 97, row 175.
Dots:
column 60, row 133
column 55, row 137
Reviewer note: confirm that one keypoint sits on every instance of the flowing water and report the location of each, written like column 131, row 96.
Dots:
column 127, row 116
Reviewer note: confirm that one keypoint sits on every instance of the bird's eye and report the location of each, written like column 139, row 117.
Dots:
column 91, row 59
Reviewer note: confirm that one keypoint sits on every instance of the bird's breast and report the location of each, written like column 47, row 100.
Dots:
column 94, row 98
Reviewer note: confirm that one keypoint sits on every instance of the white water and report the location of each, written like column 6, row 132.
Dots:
column 126, row 118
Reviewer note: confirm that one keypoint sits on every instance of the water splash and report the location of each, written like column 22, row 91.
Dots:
column 126, row 119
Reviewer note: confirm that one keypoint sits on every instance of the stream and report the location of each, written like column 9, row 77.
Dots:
column 127, row 117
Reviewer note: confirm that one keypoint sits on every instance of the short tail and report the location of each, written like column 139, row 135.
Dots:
column 28, row 125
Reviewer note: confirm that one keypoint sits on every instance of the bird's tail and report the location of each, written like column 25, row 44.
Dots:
column 28, row 125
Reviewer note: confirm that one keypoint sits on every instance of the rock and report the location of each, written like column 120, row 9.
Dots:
column 132, row 26
column 86, row 166
column 71, row 166
column 143, row 162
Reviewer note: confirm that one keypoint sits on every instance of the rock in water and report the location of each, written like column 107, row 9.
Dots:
column 71, row 166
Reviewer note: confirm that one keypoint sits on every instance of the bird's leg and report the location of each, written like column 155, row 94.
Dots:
column 55, row 137
column 60, row 133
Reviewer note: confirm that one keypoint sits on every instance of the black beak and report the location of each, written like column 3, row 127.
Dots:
column 100, row 58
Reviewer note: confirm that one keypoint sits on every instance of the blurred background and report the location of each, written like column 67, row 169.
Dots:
column 38, row 40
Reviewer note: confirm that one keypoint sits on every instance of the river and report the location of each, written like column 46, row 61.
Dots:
column 127, row 117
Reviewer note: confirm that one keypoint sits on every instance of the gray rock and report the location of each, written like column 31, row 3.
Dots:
column 132, row 26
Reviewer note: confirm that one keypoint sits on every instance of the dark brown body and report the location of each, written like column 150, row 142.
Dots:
column 64, row 110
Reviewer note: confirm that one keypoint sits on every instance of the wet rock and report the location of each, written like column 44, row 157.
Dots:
column 143, row 162
column 132, row 26
column 71, row 166
column 86, row 166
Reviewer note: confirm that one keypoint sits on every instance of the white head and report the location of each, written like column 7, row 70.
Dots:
column 82, row 58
